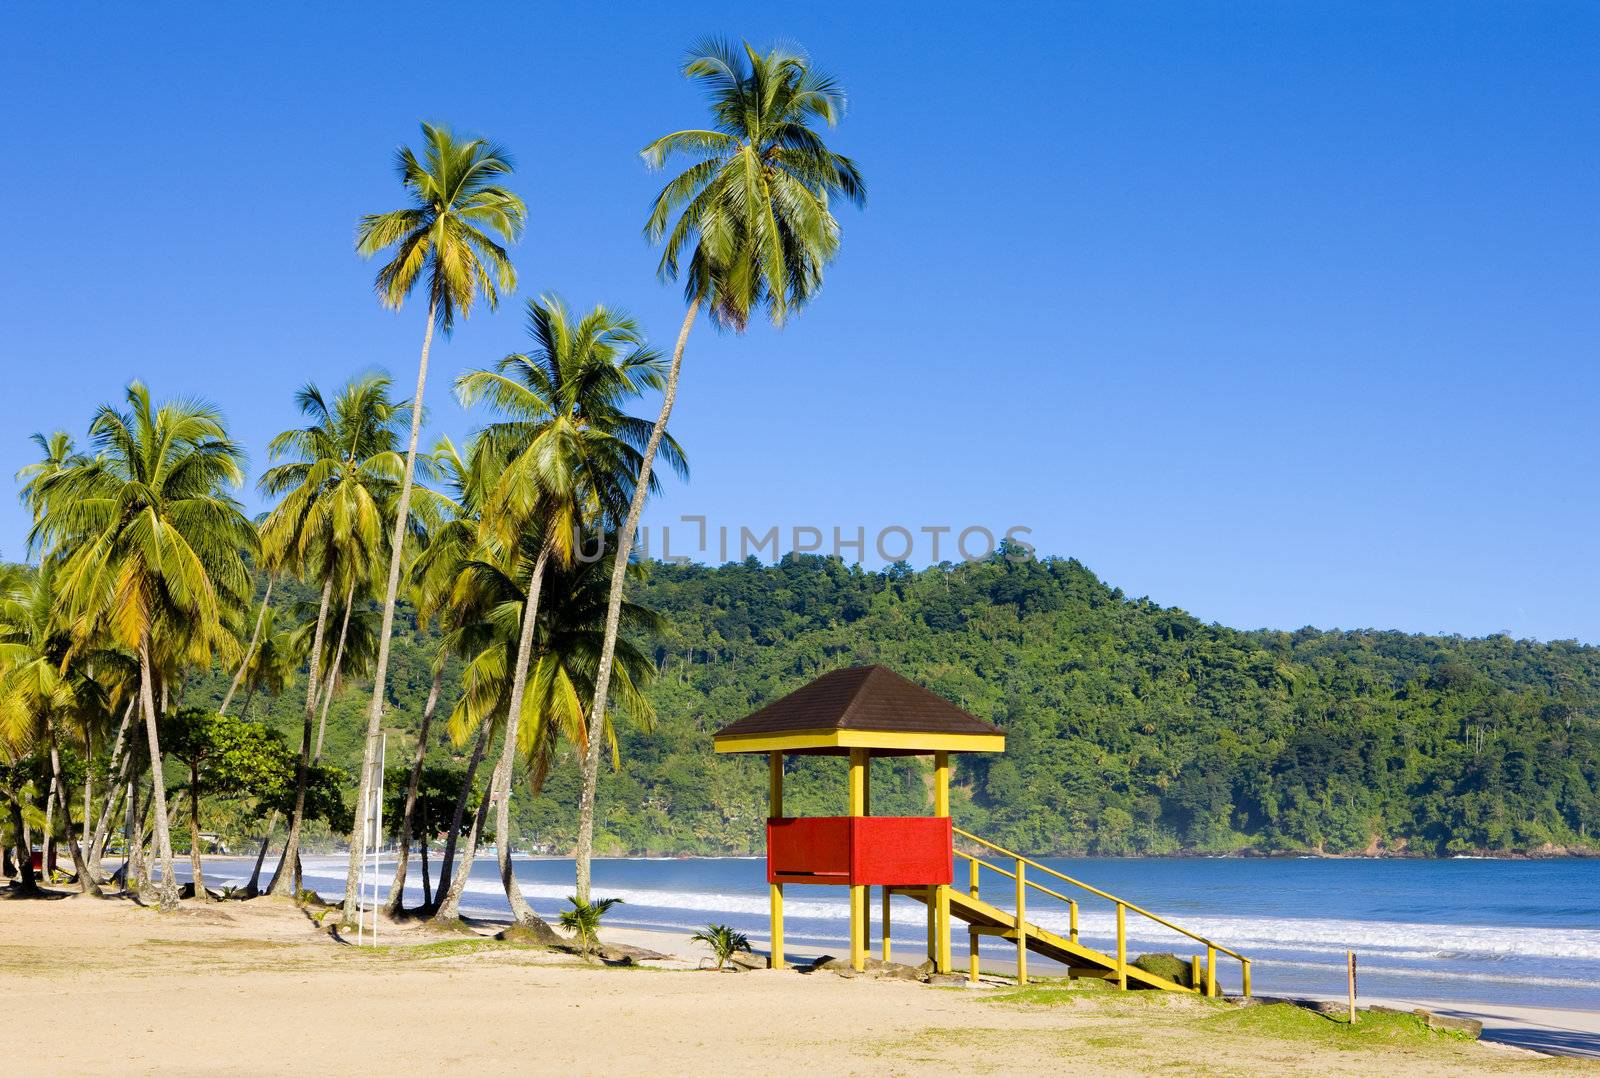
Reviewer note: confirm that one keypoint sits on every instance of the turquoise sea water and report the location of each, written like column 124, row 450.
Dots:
column 1502, row 931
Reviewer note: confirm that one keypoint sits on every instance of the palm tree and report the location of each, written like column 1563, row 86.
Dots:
column 151, row 550
column 338, row 478
column 723, row 940
column 754, row 219
column 571, row 454
column 43, row 688
column 451, row 233
column 583, row 921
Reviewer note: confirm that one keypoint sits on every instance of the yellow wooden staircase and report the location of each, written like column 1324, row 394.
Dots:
column 986, row 919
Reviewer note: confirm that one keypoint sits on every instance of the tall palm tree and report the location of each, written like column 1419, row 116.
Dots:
column 43, row 688
column 152, row 550
column 339, row 481
column 754, row 220
column 571, row 455
column 452, row 233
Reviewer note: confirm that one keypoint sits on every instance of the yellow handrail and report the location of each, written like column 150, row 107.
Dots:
column 1096, row 891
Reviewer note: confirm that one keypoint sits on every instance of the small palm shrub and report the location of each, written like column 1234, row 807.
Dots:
column 583, row 921
column 722, row 940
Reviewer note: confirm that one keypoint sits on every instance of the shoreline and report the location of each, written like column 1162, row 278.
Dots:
column 261, row 987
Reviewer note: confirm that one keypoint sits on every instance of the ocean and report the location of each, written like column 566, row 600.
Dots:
column 1486, row 930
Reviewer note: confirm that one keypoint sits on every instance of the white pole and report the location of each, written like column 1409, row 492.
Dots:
column 377, row 828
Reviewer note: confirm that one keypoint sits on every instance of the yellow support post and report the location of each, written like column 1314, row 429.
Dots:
column 1194, row 972
column 943, row 960
column 1022, row 922
column 1211, row 970
column 972, row 960
column 1245, row 965
column 1072, row 921
column 932, row 899
column 775, row 811
column 1122, row 947
column 858, row 898
column 886, row 951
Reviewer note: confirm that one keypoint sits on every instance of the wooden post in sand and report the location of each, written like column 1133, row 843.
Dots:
column 1350, row 958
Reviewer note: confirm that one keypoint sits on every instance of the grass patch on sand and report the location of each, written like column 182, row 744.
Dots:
column 1288, row 1022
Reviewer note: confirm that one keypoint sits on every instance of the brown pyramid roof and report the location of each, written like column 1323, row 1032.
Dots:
column 860, row 707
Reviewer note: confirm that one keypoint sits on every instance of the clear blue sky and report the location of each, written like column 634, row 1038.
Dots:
column 1284, row 313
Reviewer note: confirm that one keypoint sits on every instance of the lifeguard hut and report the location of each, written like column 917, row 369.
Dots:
column 862, row 713
column 870, row 711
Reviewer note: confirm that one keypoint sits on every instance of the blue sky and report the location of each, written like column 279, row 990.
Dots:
column 1284, row 313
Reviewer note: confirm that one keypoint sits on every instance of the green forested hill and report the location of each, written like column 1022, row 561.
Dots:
column 1132, row 728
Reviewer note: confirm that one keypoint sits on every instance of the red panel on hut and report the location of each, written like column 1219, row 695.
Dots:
column 901, row 851
column 898, row 851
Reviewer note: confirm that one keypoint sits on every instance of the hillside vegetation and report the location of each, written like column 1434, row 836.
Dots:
column 1132, row 728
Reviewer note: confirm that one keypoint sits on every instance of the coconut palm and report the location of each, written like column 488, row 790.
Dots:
column 491, row 599
column 338, row 477
column 43, row 688
column 152, row 551
column 451, row 234
column 753, row 230
column 723, row 940
column 583, row 921
column 571, row 453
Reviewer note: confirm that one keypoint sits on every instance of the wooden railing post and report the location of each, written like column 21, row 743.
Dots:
column 1022, row 923
column 886, row 951
column 1122, row 947
column 1211, row 970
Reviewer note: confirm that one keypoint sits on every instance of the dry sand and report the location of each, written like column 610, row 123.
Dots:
column 101, row 987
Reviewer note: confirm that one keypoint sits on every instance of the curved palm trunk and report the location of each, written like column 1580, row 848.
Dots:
column 249, row 651
column 380, row 674
column 285, row 880
column 167, row 891
column 422, row 851
column 87, row 883
column 253, row 888
column 395, row 901
column 120, row 775
column 500, row 786
column 450, row 906
column 450, row 840
column 608, row 646
column 333, row 672
column 27, row 883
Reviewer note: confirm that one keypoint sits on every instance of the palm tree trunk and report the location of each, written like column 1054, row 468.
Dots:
column 380, row 671
column 284, row 880
column 119, row 772
column 500, row 786
column 167, row 892
column 133, row 866
column 422, row 852
column 253, row 888
column 87, row 883
column 194, row 833
column 333, row 672
column 48, row 845
column 396, row 899
column 608, row 646
column 27, row 883
column 445, row 878
column 450, row 908
column 249, row 651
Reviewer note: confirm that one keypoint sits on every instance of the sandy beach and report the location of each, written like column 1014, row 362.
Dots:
column 107, row 986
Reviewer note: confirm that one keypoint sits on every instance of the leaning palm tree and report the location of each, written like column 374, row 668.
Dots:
column 754, row 230
column 452, row 235
column 571, row 453
column 339, row 480
column 152, row 551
